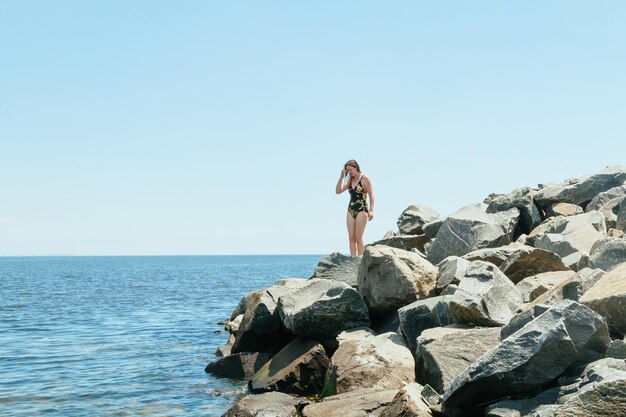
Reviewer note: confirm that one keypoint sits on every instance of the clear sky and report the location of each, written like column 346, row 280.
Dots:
column 221, row 127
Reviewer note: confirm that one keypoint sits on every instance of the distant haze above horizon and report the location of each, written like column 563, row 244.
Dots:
column 198, row 128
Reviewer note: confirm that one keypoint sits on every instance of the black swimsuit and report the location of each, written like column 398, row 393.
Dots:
column 357, row 198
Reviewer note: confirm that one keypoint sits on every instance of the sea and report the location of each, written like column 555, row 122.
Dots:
column 124, row 335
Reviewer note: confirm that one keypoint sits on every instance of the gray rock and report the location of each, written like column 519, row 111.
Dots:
column 390, row 278
column 602, row 392
column 408, row 402
column 366, row 360
column 485, row 297
column 529, row 261
column 620, row 222
column 522, row 319
column 389, row 234
column 582, row 190
column 608, row 253
column 405, row 242
column 616, row 349
column 261, row 329
column 580, row 283
column 424, row 314
column 522, row 199
column 532, row 287
column 322, row 309
column 431, row 229
column 566, row 335
column 339, row 267
column 569, row 237
column 226, row 349
column 604, row 197
column 450, row 271
column 366, row 402
column 444, row 353
column 496, row 255
column 299, row 368
column 542, row 405
column 610, row 211
column 472, row 228
column 563, row 209
column 414, row 217
column 238, row 365
column 271, row 404
column 608, row 297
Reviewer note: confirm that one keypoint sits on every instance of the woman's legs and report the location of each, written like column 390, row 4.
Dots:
column 351, row 222
column 361, row 221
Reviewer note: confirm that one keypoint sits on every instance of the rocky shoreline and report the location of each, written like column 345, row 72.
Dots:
column 512, row 307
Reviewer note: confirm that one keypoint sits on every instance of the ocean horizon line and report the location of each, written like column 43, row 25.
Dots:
column 160, row 255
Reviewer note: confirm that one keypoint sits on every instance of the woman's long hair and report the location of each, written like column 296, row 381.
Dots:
column 353, row 163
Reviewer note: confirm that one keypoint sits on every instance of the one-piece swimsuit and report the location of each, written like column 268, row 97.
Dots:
column 358, row 195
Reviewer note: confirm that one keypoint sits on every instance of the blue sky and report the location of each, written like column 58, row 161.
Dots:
column 207, row 127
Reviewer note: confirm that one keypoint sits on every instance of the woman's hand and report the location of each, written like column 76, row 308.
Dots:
column 343, row 173
column 371, row 214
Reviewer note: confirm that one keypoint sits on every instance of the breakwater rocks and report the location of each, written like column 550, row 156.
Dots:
column 515, row 306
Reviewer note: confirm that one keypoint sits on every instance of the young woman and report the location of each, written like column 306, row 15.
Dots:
column 358, row 214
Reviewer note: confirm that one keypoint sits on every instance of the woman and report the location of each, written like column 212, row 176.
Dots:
column 358, row 214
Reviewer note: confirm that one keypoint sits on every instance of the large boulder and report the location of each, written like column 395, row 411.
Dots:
column 566, row 335
column 532, row 287
column 365, row 402
column 608, row 253
column 424, row 314
column 485, row 297
column 405, row 242
column 321, row 309
column 390, row 278
column 444, row 353
column 238, row 365
column 563, row 209
column 569, row 237
column 261, row 329
column 414, row 217
column 339, row 267
column 608, row 297
column 299, row 368
column 528, row 261
column 364, row 359
column 472, row 228
column 582, row 190
column 408, row 402
column 604, row 197
column 270, row 404
column 620, row 222
column 450, row 271
column 522, row 199
column 497, row 255
column 431, row 229
column 610, row 211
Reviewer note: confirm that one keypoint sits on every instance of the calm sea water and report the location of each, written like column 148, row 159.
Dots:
column 123, row 336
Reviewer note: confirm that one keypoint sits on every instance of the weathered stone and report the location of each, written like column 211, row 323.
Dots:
column 616, row 349
column 444, row 353
column 582, row 190
column 339, row 267
column 602, row 392
column 270, row 404
column 522, row 199
column 408, row 402
column 563, row 209
column 366, row 402
column 322, row 309
column 238, row 365
column 366, row 360
column 485, row 297
column 261, row 329
column 615, row 233
column 390, row 278
column 522, row 318
column 604, row 197
column 405, row 242
column 472, row 228
column 299, row 368
column 424, row 314
column 226, row 349
column 496, row 256
column 580, row 283
column 569, row 237
column 532, row 287
column 610, row 211
column 620, row 222
column 608, row 297
column 389, row 234
column 529, row 261
column 608, row 253
column 414, row 217
column 450, row 271
column 566, row 335
column 542, row 405
column 431, row 229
